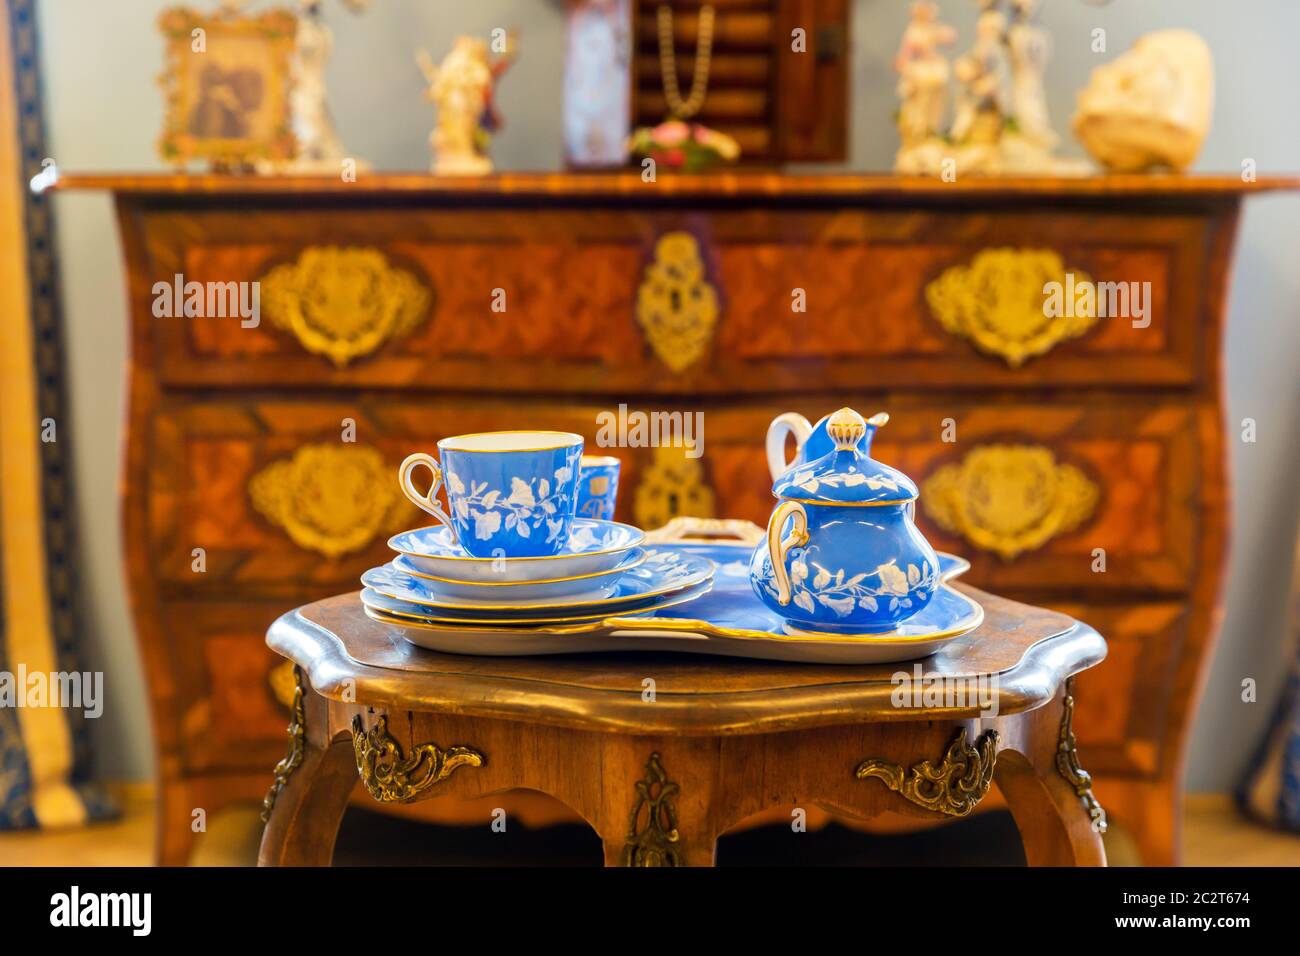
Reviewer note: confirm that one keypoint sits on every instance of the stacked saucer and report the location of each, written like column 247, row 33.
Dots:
column 601, row 571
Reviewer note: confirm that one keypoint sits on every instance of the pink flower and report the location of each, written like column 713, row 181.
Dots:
column 671, row 133
column 722, row 144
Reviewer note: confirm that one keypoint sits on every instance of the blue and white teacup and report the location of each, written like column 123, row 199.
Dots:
column 598, row 487
column 509, row 494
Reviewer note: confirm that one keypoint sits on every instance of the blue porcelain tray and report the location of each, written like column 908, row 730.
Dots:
column 727, row 619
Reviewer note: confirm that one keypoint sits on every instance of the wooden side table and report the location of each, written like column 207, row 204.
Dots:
column 663, row 753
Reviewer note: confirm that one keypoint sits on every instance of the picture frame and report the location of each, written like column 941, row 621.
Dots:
column 227, row 82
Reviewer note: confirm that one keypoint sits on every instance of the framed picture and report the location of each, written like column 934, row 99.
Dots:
column 227, row 84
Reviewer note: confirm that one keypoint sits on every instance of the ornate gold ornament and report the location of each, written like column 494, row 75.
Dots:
column 954, row 787
column 656, row 843
column 676, row 306
column 393, row 777
column 283, row 679
column 999, row 303
column 343, row 302
column 297, row 746
column 1009, row 499
column 677, row 107
column 330, row 498
column 1067, row 763
column 672, row 486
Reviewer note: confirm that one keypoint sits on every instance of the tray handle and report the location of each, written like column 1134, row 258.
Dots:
column 721, row 530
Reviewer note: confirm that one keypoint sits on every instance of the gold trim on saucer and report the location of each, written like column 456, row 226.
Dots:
column 532, row 557
column 616, row 569
column 707, row 628
column 534, row 606
column 476, row 624
column 443, row 446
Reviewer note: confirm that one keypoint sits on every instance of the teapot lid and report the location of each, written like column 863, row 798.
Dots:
column 848, row 475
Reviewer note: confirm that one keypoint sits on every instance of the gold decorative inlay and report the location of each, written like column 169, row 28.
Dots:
column 652, row 837
column 343, row 302
column 954, row 787
column 676, row 305
column 297, row 746
column 393, row 777
column 999, row 303
column 672, row 486
column 284, row 682
column 1009, row 499
column 1067, row 763
column 330, row 498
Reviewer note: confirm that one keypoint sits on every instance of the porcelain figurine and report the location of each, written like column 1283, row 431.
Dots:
column 462, row 87
column 982, row 72
column 922, row 88
column 842, row 553
column 1150, row 107
column 319, row 146
column 1000, row 122
column 1029, row 46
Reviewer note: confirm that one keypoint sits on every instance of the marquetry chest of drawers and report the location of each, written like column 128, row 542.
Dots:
column 400, row 309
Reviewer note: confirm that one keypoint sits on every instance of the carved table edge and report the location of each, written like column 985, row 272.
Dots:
column 1035, row 681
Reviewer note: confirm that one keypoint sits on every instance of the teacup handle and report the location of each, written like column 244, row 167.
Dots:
column 425, row 502
column 778, row 548
column 791, row 423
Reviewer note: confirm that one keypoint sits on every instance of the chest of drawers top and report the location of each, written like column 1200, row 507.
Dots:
column 725, row 284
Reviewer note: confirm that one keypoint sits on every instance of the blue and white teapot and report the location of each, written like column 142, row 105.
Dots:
column 842, row 553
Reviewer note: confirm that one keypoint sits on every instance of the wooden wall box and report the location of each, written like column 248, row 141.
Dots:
column 779, row 104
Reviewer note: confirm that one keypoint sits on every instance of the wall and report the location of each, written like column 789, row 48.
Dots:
column 104, row 107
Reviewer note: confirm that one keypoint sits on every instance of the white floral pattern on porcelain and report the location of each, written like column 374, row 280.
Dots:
column 807, row 481
column 529, row 508
column 840, row 594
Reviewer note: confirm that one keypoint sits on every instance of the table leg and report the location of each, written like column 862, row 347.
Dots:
column 653, row 822
column 1048, row 793
column 311, row 790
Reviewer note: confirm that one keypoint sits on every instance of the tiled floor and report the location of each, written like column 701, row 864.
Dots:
column 1214, row 835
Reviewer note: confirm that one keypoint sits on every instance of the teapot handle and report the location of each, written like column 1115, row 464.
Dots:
column 791, row 423
column 778, row 548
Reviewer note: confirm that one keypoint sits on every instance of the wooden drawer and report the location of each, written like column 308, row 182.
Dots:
column 281, row 506
column 897, row 297
column 1122, row 705
column 232, row 692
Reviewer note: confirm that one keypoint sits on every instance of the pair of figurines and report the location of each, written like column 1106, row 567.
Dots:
column 842, row 554
column 1000, row 118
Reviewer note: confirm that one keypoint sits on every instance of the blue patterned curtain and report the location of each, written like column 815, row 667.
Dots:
column 1271, row 790
column 44, row 752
